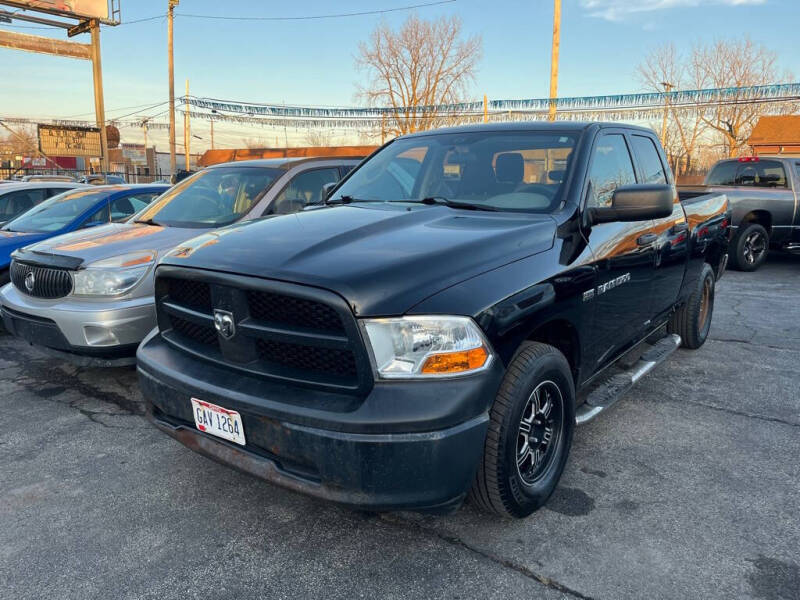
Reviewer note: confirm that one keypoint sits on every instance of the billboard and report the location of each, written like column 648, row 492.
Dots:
column 89, row 9
column 56, row 140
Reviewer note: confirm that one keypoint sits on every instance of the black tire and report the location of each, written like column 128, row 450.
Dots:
column 692, row 321
column 749, row 250
column 501, row 485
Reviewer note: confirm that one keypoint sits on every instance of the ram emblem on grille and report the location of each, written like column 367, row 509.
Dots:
column 224, row 323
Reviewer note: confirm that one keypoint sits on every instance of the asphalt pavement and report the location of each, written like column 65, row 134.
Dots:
column 688, row 488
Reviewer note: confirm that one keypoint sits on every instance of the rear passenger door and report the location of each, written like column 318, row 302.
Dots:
column 624, row 255
column 672, row 244
column 304, row 189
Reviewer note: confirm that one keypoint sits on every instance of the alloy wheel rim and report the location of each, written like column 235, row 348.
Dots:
column 539, row 431
column 754, row 247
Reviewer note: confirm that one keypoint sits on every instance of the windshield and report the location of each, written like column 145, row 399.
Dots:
column 211, row 198
column 57, row 212
column 515, row 170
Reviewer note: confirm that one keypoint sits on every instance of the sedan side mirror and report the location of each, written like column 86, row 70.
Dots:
column 638, row 202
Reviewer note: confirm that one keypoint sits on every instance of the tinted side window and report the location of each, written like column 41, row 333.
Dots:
column 649, row 159
column 304, row 189
column 611, row 168
column 122, row 208
column 100, row 217
column 764, row 173
column 723, row 174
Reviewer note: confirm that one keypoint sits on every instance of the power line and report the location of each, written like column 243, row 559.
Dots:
column 317, row 17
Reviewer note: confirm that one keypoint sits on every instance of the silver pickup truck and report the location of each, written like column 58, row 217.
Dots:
column 764, row 196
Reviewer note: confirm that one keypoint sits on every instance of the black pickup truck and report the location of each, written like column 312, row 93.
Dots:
column 463, row 299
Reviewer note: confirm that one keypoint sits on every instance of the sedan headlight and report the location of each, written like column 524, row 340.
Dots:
column 426, row 346
column 113, row 276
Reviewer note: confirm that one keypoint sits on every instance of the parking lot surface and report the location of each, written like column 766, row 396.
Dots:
column 688, row 488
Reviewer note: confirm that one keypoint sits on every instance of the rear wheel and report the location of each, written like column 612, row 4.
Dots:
column 750, row 247
column 692, row 321
column 530, row 434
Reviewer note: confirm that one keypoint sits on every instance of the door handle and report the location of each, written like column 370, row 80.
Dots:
column 680, row 227
column 646, row 239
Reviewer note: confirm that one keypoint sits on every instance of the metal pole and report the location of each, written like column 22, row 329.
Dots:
column 99, row 108
column 554, row 59
column 170, row 66
column 383, row 128
column 485, row 109
column 187, row 134
column 212, row 134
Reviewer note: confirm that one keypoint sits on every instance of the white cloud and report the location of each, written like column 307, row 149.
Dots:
column 616, row 10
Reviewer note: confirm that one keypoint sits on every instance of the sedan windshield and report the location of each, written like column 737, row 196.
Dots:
column 57, row 212
column 494, row 170
column 211, row 198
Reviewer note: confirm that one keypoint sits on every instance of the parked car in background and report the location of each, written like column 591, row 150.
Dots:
column 100, row 179
column 764, row 194
column 62, row 178
column 70, row 211
column 95, row 303
column 18, row 197
column 441, row 325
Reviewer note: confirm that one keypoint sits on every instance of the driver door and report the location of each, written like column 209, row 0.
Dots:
column 624, row 256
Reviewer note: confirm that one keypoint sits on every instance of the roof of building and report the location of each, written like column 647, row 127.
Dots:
column 776, row 131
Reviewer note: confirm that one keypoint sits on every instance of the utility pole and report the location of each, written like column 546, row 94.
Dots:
column 99, row 108
column 485, row 109
column 554, row 59
column 171, row 4
column 212, row 133
column 667, row 88
column 187, row 134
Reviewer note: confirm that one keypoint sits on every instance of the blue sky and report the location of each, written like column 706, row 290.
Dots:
column 311, row 62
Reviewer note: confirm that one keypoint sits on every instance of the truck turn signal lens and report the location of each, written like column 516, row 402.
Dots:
column 456, row 362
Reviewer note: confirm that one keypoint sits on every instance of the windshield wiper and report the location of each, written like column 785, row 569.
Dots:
column 149, row 222
column 344, row 200
column 455, row 203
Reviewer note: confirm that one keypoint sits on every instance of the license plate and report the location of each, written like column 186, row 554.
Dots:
column 218, row 421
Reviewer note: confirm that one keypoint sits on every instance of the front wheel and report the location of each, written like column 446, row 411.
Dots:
column 530, row 434
column 750, row 248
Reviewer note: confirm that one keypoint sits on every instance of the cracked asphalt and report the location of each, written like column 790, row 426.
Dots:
column 688, row 488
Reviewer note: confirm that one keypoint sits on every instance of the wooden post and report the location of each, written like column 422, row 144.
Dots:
column 99, row 108
column 485, row 109
column 554, row 59
column 187, row 133
column 383, row 128
column 667, row 87
column 170, row 67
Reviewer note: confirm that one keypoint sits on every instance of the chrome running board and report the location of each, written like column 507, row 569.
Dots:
column 605, row 395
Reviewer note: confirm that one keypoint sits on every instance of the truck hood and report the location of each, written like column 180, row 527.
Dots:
column 382, row 258
column 90, row 245
column 12, row 240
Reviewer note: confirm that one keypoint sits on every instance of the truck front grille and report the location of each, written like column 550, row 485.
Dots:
column 287, row 332
column 41, row 282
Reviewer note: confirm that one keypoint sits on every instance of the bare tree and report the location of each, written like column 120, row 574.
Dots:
column 727, row 64
column 414, row 70
column 318, row 137
column 663, row 68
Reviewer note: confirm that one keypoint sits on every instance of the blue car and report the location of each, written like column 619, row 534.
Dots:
column 76, row 209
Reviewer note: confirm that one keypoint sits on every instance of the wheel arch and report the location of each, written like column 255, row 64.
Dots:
column 562, row 335
column 760, row 216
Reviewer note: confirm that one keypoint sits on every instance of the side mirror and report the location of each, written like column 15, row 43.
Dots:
column 327, row 189
column 638, row 202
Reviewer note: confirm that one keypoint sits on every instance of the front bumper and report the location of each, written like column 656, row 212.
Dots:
column 406, row 445
column 92, row 329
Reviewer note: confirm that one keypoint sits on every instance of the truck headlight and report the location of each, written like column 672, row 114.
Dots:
column 426, row 346
column 113, row 276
